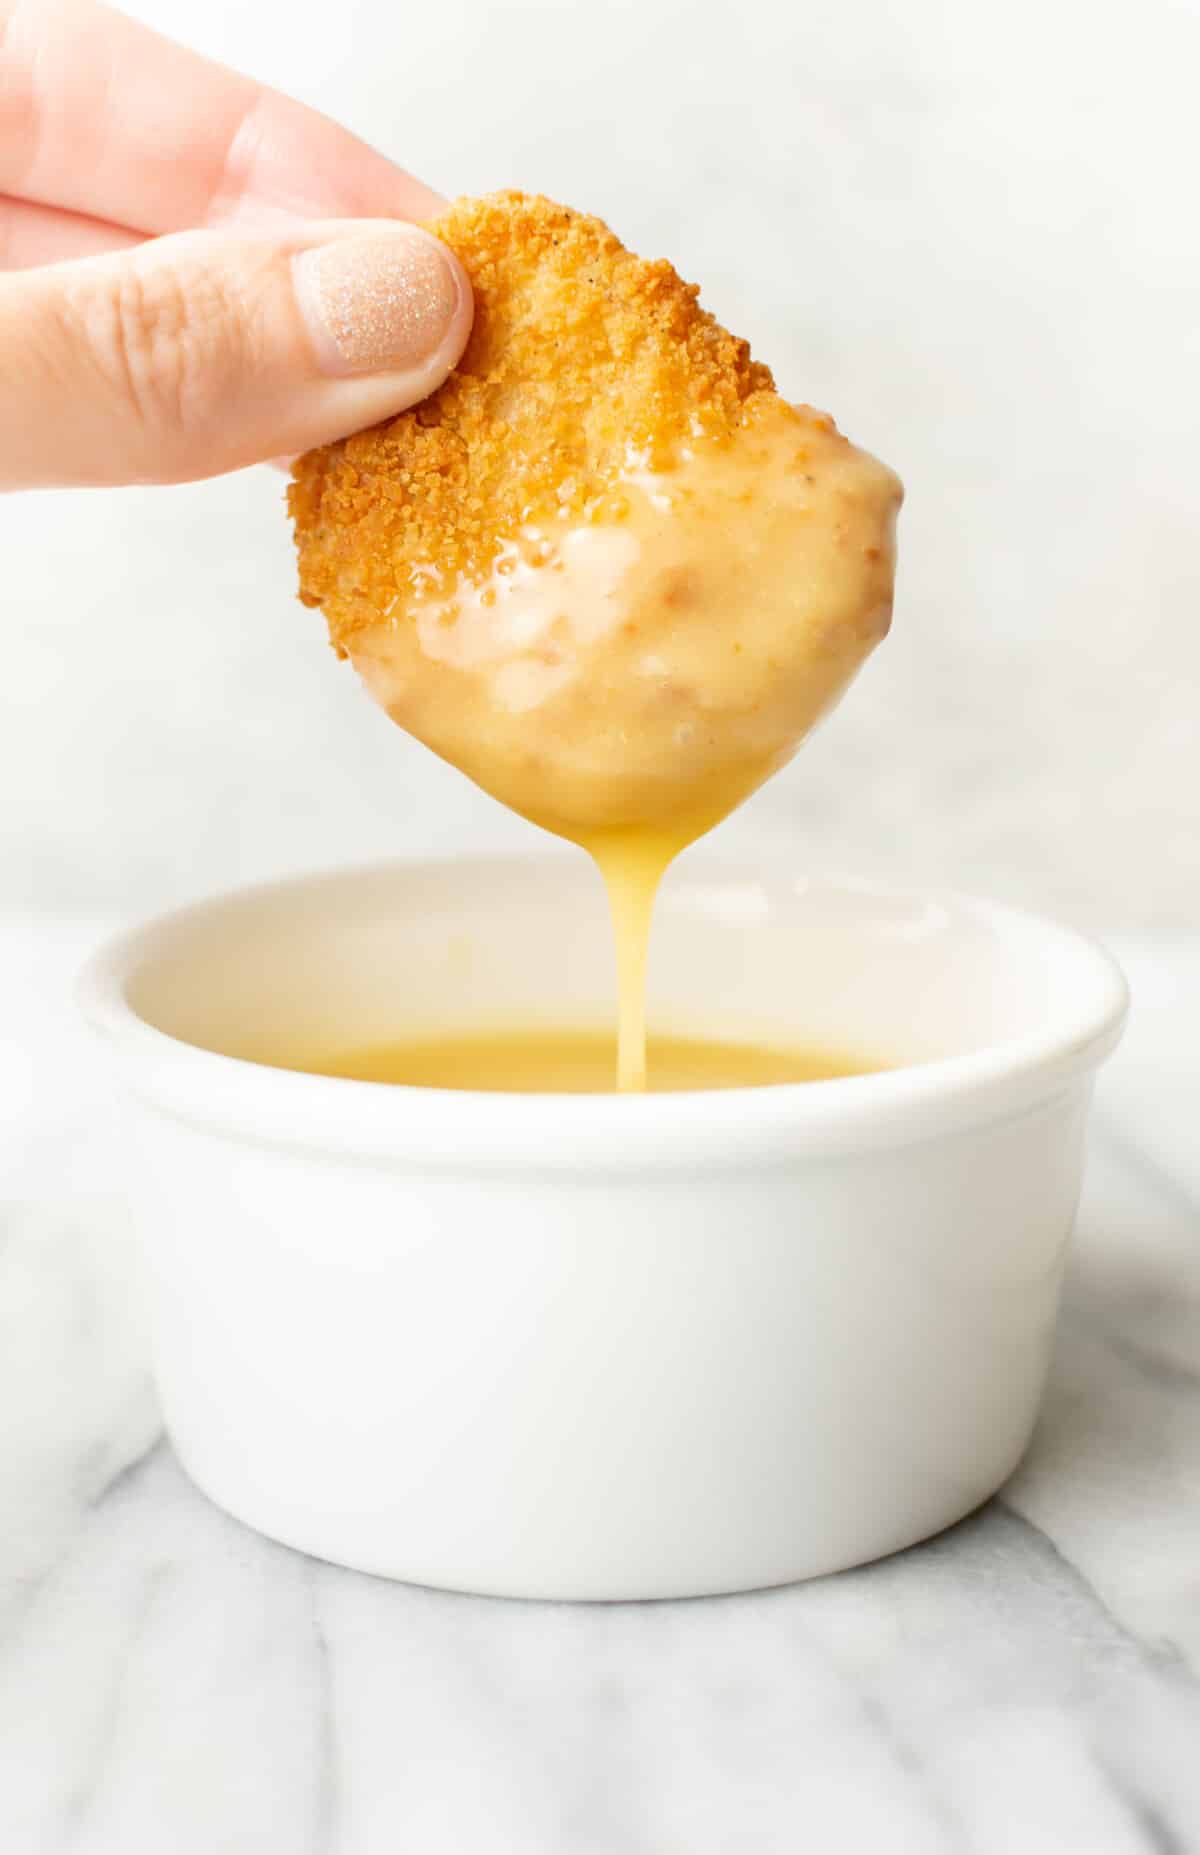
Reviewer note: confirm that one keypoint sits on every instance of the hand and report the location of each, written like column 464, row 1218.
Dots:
column 158, row 353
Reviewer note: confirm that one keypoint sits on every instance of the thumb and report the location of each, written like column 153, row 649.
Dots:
column 205, row 351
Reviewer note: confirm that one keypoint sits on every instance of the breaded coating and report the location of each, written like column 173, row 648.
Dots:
column 584, row 362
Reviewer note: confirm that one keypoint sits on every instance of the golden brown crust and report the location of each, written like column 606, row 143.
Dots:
column 583, row 359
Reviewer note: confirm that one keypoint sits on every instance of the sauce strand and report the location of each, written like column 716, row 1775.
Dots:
column 633, row 867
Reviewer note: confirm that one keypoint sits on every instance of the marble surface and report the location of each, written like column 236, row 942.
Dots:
column 1027, row 1683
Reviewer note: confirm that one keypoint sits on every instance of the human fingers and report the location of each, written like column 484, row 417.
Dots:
column 101, row 116
column 32, row 235
column 202, row 352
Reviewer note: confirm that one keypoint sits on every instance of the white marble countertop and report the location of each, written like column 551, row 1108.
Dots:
column 170, row 1683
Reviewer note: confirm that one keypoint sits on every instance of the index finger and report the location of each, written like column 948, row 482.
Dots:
column 102, row 116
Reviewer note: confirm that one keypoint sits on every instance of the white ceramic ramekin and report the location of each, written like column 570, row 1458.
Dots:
column 591, row 1346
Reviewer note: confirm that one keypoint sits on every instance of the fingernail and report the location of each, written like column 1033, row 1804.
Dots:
column 379, row 302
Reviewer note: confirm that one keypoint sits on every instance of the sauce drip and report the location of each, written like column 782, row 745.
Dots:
column 633, row 865
column 626, row 680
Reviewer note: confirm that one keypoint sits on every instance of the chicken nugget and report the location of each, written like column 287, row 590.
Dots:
column 605, row 569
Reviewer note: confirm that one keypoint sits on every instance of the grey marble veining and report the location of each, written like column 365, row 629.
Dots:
column 1027, row 1683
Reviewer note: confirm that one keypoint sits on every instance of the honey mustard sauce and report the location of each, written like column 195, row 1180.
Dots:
column 564, row 1061
column 626, row 680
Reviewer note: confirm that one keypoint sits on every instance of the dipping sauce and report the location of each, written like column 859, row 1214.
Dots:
column 574, row 1062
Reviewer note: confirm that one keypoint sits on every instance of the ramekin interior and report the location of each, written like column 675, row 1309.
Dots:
column 980, row 1009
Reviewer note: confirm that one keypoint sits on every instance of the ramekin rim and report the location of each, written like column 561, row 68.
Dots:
column 862, row 1111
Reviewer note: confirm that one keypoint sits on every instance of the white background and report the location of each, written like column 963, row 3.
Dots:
column 969, row 231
